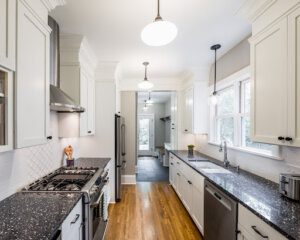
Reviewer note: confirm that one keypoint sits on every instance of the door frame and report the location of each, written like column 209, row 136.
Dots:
column 152, row 141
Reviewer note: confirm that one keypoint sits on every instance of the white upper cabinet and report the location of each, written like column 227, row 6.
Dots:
column 275, row 116
column 32, row 78
column 294, row 76
column 77, row 78
column 7, row 33
column 269, row 85
column 195, row 109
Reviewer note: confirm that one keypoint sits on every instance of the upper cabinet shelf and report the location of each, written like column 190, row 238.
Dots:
column 77, row 79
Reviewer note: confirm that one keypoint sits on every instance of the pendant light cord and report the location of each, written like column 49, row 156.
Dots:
column 158, row 17
column 215, row 80
column 145, row 73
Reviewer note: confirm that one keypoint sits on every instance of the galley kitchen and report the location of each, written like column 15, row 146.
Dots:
column 149, row 119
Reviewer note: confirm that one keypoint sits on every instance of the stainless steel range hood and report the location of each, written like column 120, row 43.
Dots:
column 59, row 100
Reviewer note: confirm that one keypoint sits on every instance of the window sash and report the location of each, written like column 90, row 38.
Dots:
column 239, row 113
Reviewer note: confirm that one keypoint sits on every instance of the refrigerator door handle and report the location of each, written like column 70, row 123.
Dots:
column 123, row 139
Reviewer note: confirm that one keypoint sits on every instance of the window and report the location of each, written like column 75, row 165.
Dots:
column 230, row 118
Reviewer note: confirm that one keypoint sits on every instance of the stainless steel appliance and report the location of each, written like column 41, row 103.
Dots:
column 289, row 186
column 59, row 100
column 220, row 214
column 119, row 154
column 93, row 183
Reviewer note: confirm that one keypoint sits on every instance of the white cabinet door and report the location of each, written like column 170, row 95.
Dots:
column 198, row 208
column 7, row 33
column 174, row 128
column 91, row 107
column 188, row 110
column 269, row 84
column 32, row 79
column 294, row 79
column 71, row 228
column 171, row 170
column 187, row 193
column 84, row 103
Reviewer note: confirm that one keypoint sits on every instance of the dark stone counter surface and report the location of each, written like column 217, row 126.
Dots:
column 34, row 216
column 92, row 162
column 257, row 194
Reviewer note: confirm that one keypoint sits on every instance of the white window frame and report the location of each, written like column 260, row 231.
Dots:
column 237, row 80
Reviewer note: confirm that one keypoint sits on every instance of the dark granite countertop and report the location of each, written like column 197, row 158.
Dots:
column 257, row 194
column 34, row 216
column 92, row 162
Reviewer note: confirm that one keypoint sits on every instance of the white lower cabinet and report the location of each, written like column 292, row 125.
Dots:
column 71, row 228
column 189, row 186
column 252, row 228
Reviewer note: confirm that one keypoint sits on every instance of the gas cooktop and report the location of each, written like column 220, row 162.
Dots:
column 64, row 179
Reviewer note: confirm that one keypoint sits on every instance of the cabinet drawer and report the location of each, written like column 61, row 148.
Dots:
column 256, row 227
column 72, row 223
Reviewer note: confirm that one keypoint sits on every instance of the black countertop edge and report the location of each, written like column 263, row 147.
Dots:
column 203, row 157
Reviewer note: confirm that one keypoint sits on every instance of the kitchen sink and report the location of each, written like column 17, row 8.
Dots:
column 209, row 167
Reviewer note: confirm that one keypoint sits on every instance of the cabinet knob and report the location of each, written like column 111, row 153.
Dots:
column 173, row 128
column 189, row 182
column 89, row 131
column 289, row 139
column 49, row 138
column 280, row 138
column 185, row 130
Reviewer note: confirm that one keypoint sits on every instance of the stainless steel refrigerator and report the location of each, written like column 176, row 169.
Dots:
column 119, row 154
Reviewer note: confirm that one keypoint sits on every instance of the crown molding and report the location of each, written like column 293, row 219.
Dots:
column 51, row 4
column 252, row 9
column 75, row 50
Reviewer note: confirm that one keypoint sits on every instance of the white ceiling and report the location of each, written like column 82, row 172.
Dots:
column 156, row 97
column 113, row 29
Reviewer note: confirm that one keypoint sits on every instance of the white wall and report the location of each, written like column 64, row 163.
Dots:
column 22, row 166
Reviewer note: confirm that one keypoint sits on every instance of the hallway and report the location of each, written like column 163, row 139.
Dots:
column 149, row 169
column 150, row 211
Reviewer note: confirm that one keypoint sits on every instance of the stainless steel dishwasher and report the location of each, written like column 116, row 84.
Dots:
column 220, row 214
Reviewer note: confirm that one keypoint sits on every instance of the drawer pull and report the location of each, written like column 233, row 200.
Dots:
column 259, row 233
column 178, row 174
column 172, row 163
column 178, row 162
column 75, row 219
column 189, row 182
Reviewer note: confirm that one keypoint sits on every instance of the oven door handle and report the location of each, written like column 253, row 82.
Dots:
column 96, row 203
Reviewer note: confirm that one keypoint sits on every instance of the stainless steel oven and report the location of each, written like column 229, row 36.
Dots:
column 98, row 211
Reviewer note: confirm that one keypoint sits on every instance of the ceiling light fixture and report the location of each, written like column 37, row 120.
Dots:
column 159, row 32
column 214, row 97
column 145, row 108
column 145, row 84
column 149, row 101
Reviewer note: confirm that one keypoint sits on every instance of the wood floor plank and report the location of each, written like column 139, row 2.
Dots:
column 150, row 211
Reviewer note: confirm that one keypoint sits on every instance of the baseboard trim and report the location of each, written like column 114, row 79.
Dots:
column 128, row 179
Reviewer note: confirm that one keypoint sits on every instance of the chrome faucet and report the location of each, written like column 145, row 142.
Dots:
column 226, row 161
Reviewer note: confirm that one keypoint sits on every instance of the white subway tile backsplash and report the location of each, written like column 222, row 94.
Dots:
column 22, row 166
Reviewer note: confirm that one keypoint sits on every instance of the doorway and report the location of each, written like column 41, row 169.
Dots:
column 156, row 130
column 146, row 134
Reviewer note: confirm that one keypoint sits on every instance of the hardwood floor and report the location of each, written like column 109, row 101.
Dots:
column 150, row 211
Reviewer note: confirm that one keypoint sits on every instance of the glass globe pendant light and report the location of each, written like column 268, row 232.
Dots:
column 159, row 32
column 145, row 84
column 214, row 97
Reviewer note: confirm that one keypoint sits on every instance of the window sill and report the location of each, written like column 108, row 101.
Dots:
column 251, row 151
